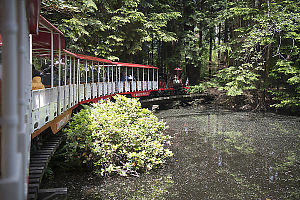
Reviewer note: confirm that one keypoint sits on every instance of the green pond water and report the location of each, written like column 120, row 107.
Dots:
column 218, row 154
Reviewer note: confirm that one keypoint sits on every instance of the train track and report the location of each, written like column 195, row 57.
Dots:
column 38, row 164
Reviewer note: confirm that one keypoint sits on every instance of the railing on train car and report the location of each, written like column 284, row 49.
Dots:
column 45, row 102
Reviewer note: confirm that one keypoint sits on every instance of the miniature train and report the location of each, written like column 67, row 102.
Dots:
column 33, row 100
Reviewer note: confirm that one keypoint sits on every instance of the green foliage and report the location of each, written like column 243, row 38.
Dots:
column 117, row 137
column 235, row 80
column 265, row 46
column 110, row 29
column 248, row 44
column 196, row 89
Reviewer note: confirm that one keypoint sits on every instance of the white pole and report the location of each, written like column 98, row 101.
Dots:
column 30, row 49
column 112, row 73
column 78, row 71
column 66, row 64
column 10, row 159
column 119, row 77
column 153, row 80
column 78, row 80
column 24, row 65
column 138, row 79
column 70, row 74
column 143, row 78
column 9, row 90
column 108, row 80
column 132, row 80
column 70, row 81
column 92, row 71
column 103, row 73
column 59, row 63
column 52, row 58
column 148, row 78
column 112, row 79
column 59, row 75
column 98, row 77
column 74, row 71
column 30, row 83
column 86, row 79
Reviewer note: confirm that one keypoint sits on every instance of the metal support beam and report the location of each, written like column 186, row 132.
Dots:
column 78, row 71
column 10, row 182
column 132, row 80
column 66, row 64
column 98, row 77
column 59, row 76
column 70, row 74
column 143, row 77
column 52, row 59
column 23, row 66
column 78, row 80
column 74, row 71
column 86, row 78
column 108, row 79
column 119, row 68
column 59, row 59
column 103, row 73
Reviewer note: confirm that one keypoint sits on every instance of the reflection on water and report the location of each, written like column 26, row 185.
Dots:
column 217, row 155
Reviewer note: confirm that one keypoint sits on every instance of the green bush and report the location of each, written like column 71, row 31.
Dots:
column 201, row 88
column 117, row 137
column 196, row 89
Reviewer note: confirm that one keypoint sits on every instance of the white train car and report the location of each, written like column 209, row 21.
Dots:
column 67, row 80
column 18, row 21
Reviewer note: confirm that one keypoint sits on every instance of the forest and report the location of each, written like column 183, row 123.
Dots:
column 238, row 46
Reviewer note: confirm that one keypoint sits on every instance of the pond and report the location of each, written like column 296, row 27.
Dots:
column 218, row 154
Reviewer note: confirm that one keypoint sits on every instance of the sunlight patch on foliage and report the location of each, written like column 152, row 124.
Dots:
column 117, row 137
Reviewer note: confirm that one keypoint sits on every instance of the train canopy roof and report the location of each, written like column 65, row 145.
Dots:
column 33, row 15
column 41, row 42
column 85, row 57
column 70, row 53
column 135, row 65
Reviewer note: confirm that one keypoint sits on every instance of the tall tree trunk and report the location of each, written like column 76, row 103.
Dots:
column 225, row 60
column 210, row 53
column 266, row 70
column 219, row 43
column 200, row 5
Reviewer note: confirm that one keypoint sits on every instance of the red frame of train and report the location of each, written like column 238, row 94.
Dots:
column 25, row 112
column 48, row 42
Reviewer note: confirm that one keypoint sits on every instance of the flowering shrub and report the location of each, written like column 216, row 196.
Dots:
column 117, row 137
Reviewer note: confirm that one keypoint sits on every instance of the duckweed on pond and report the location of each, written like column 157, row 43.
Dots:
column 218, row 154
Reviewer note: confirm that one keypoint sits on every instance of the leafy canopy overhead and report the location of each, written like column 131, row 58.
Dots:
column 111, row 29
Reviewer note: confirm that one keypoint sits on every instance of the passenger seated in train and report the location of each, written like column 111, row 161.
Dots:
column 46, row 75
column 124, row 77
column 130, row 78
column 36, row 79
